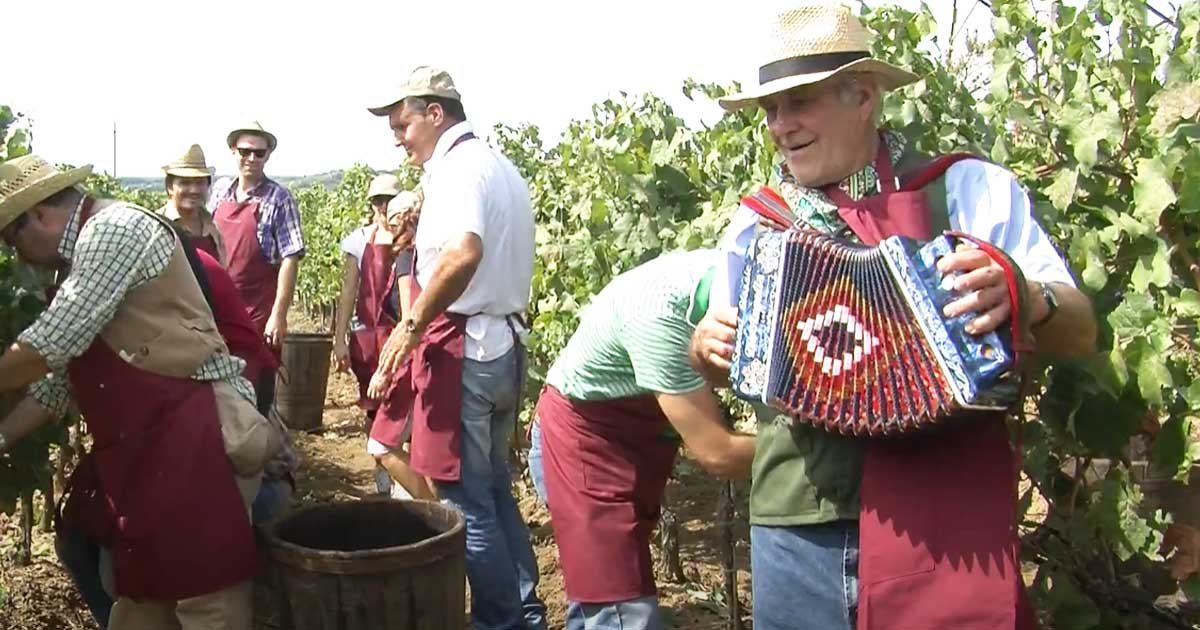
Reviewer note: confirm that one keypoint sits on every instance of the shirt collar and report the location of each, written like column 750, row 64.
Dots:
column 172, row 214
column 449, row 137
column 862, row 183
column 66, row 246
column 259, row 190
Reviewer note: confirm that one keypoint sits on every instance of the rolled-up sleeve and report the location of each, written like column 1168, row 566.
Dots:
column 734, row 246
column 53, row 393
column 287, row 229
column 987, row 201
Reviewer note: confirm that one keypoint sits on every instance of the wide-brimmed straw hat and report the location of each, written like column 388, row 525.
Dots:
column 190, row 164
column 254, row 128
column 405, row 201
column 29, row 180
column 422, row 81
column 811, row 43
column 384, row 185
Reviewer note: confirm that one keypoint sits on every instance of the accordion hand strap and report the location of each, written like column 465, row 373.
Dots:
column 771, row 206
column 1018, row 294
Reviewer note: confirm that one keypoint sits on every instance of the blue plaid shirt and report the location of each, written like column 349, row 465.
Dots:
column 279, row 233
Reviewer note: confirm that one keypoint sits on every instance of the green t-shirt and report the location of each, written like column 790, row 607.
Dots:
column 802, row 475
column 633, row 337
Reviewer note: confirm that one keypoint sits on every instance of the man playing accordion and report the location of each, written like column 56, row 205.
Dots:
column 916, row 532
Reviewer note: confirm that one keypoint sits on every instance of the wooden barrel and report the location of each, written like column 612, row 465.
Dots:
column 300, row 391
column 375, row 564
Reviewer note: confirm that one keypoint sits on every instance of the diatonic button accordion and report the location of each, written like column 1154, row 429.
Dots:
column 851, row 338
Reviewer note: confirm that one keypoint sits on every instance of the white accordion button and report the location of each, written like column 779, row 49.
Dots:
column 864, row 341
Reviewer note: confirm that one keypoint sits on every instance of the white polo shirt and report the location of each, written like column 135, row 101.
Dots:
column 476, row 189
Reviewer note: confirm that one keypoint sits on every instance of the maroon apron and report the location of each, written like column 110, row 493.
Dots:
column 437, row 400
column 437, row 385
column 157, row 489
column 606, row 465
column 938, row 544
column 391, row 425
column 375, row 280
column 206, row 244
column 255, row 278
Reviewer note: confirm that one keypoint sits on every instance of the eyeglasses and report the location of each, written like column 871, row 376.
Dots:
column 10, row 232
column 246, row 152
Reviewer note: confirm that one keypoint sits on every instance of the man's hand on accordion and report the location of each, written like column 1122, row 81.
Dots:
column 712, row 345
column 983, row 287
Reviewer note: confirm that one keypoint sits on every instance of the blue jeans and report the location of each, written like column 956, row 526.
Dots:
column 273, row 497
column 81, row 558
column 805, row 577
column 635, row 614
column 500, row 564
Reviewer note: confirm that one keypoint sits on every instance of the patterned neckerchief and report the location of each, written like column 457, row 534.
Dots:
column 816, row 210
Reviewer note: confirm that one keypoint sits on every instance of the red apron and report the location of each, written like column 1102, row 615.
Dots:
column 244, row 341
column 606, row 465
column 206, row 244
column 938, row 544
column 437, row 402
column 255, row 278
column 375, row 280
column 391, row 424
column 157, row 489
column 437, row 385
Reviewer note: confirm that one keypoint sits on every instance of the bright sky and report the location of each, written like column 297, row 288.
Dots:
column 169, row 77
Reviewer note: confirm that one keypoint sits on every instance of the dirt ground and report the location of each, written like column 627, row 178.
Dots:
column 336, row 468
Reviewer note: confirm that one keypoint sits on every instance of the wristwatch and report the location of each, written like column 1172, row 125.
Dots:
column 1051, row 303
column 410, row 326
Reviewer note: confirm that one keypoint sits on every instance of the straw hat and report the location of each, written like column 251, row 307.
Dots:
column 423, row 81
column 28, row 180
column 254, row 128
column 190, row 164
column 405, row 201
column 811, row 43
column 384, row 185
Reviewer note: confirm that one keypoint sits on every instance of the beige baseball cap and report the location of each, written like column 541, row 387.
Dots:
column 423, row 81
column 405, row 201
column 384, row 185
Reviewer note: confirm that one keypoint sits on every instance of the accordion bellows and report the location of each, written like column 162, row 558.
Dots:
column 851, row 338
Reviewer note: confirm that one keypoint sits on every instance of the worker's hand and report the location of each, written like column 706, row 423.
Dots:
column 712, row 345
column 378, row 386
column 276, row 331
column 399, row 344
column 341, row 356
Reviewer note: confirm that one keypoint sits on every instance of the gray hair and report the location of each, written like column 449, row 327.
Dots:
column 850, row 81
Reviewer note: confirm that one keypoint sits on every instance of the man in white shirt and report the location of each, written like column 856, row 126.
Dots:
column 474, row 260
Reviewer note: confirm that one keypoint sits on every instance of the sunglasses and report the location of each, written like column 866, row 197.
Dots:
column 258, row 153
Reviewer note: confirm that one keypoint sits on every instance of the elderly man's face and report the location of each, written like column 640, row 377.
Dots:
column 823, row 130
column 188, row 194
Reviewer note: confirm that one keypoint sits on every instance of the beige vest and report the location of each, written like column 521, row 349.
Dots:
column 165, row 326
